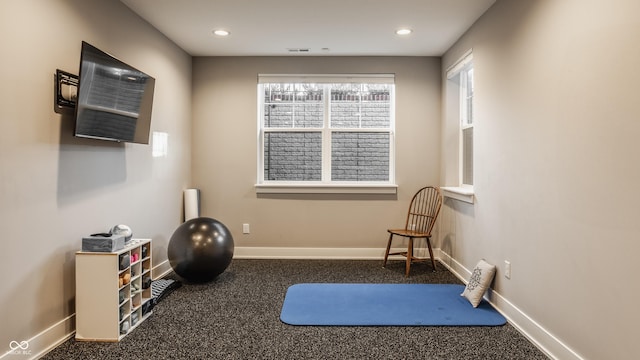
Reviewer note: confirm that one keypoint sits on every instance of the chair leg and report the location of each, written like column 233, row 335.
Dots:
column 409, row 256
column 433, row 261
column 386, row 254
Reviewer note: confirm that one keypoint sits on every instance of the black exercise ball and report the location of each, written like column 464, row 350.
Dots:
column 200, row 249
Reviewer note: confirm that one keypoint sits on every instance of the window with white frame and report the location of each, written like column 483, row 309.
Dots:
column 460, row 77
column 326, row 129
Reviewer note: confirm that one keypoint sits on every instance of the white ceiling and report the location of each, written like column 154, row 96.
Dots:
column 344, row 27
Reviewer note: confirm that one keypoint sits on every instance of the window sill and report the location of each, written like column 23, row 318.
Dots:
column 458, row 193
column 326, row 189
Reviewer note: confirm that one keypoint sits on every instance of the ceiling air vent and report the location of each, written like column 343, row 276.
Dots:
column 298, row 50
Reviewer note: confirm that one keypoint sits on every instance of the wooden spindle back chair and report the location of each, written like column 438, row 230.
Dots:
column 421, row 217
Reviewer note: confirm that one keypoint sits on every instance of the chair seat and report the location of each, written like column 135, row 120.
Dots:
column 408, row 233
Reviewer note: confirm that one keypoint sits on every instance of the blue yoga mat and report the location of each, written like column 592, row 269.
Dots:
column 384, row 305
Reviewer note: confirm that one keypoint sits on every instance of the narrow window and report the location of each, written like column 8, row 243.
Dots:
column 460, row 77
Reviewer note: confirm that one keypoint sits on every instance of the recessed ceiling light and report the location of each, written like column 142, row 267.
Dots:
column 221, row 32
column 404, row 31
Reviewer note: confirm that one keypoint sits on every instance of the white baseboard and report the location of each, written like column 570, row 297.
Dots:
column 452, row 265
column 534, row 332
column 58, row 333
column 63, row 330
column 43, row 342
column 318, row 253
column 161, row 270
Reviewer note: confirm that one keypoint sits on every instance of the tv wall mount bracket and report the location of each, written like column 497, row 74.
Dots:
column 66, row 89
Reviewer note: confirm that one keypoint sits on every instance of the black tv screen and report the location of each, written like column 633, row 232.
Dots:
column 114, row 99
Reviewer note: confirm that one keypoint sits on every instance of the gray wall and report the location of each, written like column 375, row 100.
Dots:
column 55, row 188
column 225, row 153
column 555, row 168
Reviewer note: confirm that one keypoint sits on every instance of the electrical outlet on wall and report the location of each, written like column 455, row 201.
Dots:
column 245, row 228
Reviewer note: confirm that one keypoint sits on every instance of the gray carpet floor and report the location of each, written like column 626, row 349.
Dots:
column 237, row 317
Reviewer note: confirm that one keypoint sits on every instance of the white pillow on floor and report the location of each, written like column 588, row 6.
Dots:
column 479, row 281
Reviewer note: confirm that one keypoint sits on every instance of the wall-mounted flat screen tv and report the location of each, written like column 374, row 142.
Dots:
column 114, row 99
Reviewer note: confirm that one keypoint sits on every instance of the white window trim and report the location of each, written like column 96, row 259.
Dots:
column 326, row 78
column 462, row 192
column 463, row 61
column 320, row 188
column 310, row 187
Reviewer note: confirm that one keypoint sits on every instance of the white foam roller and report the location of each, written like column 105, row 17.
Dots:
column 191, row 204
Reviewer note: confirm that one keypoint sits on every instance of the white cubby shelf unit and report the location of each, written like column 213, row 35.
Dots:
column 113, row 291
